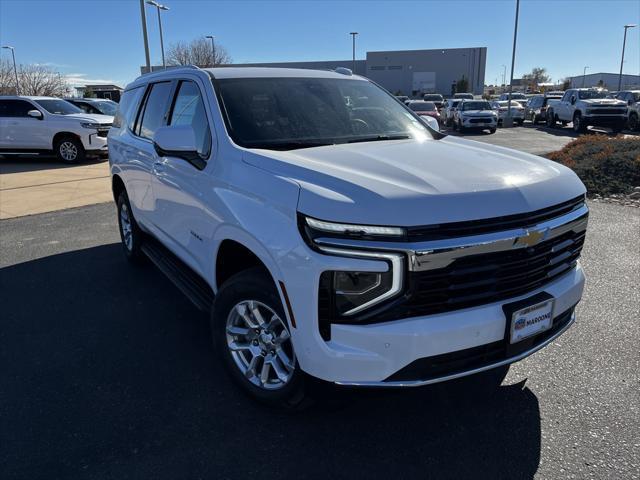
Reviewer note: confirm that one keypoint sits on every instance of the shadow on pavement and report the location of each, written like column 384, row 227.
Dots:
column 107, row 372
column 18, row 164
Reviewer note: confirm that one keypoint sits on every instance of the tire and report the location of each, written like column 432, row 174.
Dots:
column 69, row 150
column 461, row 129
column 633, row 122
column 551, row 119
column 578, row 124
column 492, row 130
column 454, row 125
column 131, row 235
column 247, row 313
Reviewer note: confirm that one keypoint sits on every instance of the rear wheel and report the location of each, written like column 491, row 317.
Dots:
column 551, row 119
column 69, row 150
column 251, row 335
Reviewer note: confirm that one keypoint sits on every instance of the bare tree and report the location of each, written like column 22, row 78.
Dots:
column 42, row 80
column 197, row 52
column 7, row 78
column 536, row 76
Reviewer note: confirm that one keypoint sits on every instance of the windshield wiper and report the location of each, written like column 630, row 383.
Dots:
column 377, row 138
column 287, row 145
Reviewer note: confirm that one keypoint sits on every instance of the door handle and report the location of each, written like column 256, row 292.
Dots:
column 158, row 166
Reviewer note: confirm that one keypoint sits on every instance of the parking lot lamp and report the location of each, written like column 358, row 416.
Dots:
column 15, row 70
column 353, row 63
column 159, row 7
column 213, row 49
column 504, row 75
column 624, row 43
column 584, row 73
column 145, row 37
column 508, row 121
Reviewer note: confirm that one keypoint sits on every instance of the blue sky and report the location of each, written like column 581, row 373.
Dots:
column 101, row 41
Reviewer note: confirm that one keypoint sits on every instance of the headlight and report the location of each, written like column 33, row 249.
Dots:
column 345, row 293
column 91, row 125
column 352, row 230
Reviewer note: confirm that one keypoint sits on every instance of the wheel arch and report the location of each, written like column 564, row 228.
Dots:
column 60, row 135
column 117, row 187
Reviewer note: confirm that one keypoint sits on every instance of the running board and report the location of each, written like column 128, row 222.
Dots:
column 189, row 282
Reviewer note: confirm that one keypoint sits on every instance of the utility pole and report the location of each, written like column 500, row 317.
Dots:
column 213, row 49
column 584, row 73
column 143, row 15
column 160, row 7
column 508, row 121
column 624, row 44
column 353, row 64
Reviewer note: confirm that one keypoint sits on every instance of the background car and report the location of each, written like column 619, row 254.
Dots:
column 402, row 98
column 100, row 106
column 501, row 107
column 464, row 96
column 476, row 115
column 449, row 110
column 436, row 98
column 632, row 97
column 424, row 109
column 517, row 96
column 536, row 108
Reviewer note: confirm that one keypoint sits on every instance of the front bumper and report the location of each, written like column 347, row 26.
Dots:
column 95, row 143
column 604, row 120
column 472, row 123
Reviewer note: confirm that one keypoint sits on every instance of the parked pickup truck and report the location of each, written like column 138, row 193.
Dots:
column 332, row 234
column 588, row 107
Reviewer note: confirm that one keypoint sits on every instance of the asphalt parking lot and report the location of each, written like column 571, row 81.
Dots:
column 106, row 371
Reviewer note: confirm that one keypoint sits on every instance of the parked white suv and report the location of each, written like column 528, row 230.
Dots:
column 44, row 125
column 632, row 99
column 588, row 107
column 475, row 115
column 334, row 235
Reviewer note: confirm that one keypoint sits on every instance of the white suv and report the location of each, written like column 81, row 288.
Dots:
column 37, row 125
column 332, row 234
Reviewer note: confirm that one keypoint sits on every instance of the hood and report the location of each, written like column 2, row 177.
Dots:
column 408, row 182
column 604, row 101
column 91, row 117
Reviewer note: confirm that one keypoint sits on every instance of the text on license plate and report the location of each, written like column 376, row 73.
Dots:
column 531, row 320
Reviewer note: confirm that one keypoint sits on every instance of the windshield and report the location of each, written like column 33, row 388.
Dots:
column 422, row 106
column 106, row 108
column 434, row 97
column 587, row 94
column 58, row 107
column 288, row 113
column 475, row 106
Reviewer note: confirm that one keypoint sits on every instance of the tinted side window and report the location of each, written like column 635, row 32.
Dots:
column 188, row 109
column 15, row 108
column 127, row 108
column 155, row 109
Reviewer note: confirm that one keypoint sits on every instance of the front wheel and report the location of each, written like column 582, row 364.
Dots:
column 252, row 337
column 130, row 233
column 69, row 150
column 492, row 130
column 551, row 119
column 633, row 122
column 578, row 124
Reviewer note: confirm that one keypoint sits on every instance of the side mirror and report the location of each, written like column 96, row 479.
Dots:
column 432, row 122
column 573, row 99
column 35, row 114
column 178, row 141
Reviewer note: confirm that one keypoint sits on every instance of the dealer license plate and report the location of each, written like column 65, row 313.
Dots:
column 531, row 320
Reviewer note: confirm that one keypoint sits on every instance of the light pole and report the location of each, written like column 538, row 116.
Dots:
column 624, row 43
column 143, row 16
column 504, row 75
column 15, row 70
column 508, row 121
column 353, row 37
column 213, row 49
column 584, row 73
column 159, row 7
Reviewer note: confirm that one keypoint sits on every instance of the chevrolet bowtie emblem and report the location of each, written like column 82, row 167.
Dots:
column 531, row 238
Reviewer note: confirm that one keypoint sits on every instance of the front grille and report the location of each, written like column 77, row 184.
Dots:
column 480, row 120
column 491, row 277
column 608, row 111
column 477, row 357
column 497, row 224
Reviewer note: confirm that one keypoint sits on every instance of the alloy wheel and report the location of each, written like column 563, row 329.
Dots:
column 68, row 151
column 260, row 345
column 125, row 227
